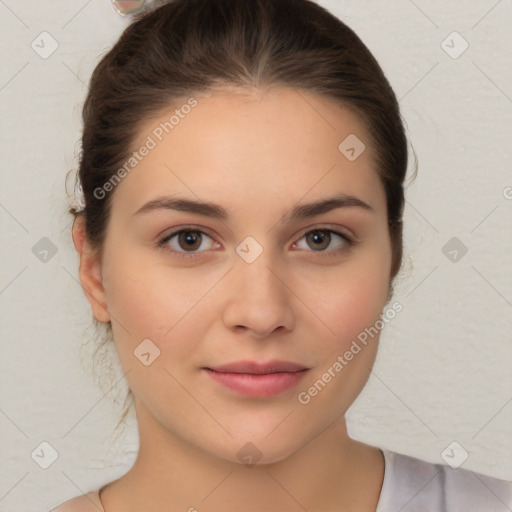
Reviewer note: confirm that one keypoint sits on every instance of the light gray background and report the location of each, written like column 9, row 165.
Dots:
column 443, row 372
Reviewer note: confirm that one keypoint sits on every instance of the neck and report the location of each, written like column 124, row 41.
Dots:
column 332, row 472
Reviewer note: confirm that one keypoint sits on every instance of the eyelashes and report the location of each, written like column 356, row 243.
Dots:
column 319, row 236
column 190, row 237
column 194, row 239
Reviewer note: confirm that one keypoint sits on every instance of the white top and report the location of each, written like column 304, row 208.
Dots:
column 410, row 485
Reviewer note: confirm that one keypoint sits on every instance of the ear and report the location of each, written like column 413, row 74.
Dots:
column 90, row 271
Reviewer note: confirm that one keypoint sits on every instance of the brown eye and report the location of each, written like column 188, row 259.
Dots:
column 318, row 239
column 189, row 240
column 324, row 241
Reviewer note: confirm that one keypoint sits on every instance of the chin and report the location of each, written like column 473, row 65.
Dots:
column 253, row 450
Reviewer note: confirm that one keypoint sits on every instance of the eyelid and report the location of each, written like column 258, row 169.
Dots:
column 335, row 228
column 186, row 227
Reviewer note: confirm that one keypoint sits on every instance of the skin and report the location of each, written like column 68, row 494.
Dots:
column 258, row 154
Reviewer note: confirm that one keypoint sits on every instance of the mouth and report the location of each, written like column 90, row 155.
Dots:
column 254, row 379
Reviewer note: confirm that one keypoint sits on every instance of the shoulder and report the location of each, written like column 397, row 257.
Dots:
column 89, row 502
column 414, row 485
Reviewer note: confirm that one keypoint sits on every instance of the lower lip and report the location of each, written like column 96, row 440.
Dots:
column 262, row 385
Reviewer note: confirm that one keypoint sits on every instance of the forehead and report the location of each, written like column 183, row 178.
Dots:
column 261, row 145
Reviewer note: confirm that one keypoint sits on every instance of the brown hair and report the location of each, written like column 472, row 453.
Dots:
column 185, row 47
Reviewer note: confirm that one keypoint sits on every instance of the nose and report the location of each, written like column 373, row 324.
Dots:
column 258, row 299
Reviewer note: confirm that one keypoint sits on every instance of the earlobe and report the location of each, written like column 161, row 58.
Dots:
column 90, row 272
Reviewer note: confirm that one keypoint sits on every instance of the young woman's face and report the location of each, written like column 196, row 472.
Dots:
column 219, row 251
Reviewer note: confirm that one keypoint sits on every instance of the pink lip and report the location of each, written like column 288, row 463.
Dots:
column 258, row 379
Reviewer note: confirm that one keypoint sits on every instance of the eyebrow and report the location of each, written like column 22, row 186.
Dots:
column 218, row 212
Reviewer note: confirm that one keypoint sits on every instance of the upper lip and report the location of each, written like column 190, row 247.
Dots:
column 256, row 368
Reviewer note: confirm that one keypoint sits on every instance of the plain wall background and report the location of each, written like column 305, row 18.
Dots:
column 443, row 372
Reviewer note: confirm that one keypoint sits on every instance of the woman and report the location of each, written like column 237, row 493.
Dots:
column 242, row 170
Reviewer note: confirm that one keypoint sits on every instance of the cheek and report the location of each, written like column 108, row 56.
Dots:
column 350, row 302
column 153, row 300
column 134, row 299
column 347, row 356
